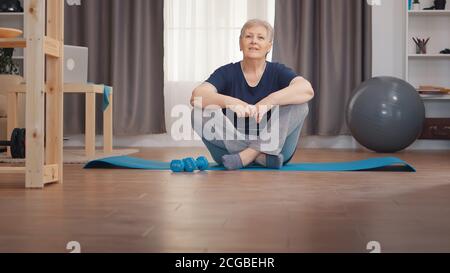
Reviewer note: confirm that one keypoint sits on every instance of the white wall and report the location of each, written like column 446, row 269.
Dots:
column 388, row 32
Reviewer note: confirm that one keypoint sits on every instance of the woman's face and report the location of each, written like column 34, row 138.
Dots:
column 255, row 44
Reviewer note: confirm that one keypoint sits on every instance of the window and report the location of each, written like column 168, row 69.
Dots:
column 202, row 35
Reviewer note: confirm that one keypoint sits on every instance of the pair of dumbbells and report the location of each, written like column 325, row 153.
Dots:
column 16, row 144
column 189, row 165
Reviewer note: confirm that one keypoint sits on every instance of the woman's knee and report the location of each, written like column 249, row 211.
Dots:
column 299, row 110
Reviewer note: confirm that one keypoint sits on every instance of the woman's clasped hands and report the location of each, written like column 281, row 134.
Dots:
column 245, row 110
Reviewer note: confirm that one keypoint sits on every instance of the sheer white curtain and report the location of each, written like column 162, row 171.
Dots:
column 199, row 37
column 202, row 35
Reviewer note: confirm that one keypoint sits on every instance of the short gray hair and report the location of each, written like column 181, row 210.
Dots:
column 258, row 22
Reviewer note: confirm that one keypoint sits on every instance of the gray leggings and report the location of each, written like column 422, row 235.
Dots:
column 287, row 133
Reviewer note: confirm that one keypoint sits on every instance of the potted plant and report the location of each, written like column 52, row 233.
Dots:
column 416, row 5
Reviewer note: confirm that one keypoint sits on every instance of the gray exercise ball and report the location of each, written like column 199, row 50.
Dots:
column 386, row 114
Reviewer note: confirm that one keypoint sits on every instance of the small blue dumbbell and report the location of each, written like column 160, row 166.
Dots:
column 202, row 163
column 177, row 166
column 189, row 165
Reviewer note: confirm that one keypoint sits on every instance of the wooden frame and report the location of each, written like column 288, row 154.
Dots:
column 44, row 40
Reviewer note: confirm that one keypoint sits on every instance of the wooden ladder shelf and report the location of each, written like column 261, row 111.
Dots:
column 44, row 46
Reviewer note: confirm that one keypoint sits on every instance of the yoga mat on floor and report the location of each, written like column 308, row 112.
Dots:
column 372, row 164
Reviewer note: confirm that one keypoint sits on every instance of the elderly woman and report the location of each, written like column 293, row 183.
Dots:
column 257, row 92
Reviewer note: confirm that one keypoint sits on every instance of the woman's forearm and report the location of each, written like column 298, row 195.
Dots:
column 299, row 92
column 210, row 99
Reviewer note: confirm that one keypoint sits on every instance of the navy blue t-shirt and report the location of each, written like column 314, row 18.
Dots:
column 229, row 80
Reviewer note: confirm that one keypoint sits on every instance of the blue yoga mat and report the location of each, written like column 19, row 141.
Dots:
column 372, row 164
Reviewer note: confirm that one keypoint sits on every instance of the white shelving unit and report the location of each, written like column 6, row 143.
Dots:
column 429, row 12
column 429, row 56
column 15, row 20
column 432, row 68
column 435, row 97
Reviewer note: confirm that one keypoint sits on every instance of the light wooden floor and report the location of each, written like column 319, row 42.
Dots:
column 145, row 211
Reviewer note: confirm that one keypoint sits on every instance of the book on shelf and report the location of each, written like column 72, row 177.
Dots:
column 433, row 90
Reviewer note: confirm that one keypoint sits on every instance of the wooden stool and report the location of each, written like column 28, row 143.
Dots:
column 90, row 90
